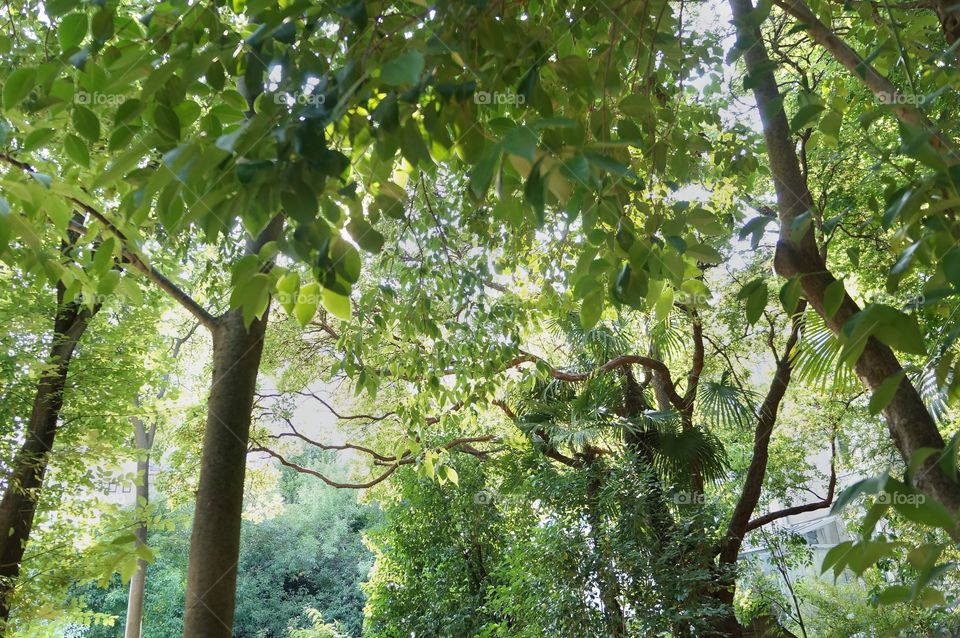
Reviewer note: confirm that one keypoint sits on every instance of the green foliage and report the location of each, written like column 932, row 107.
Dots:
column 315, row 565
column 477, row 211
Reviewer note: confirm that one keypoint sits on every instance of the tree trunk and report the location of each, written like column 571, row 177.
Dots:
column 910, row 424
column 949, row 16
column 138, row 582
column 19, row 504
column 215, row 541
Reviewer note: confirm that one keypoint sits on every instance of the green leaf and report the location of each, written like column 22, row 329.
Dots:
column 891, row 326
column 287, row 288
column 346, row 260
column 403, row 69
column 833, row 298
column 76, row 150
column 882, row 396
column 55, row 8
column 805, row 116
column 336, row 304
column 356, row 11
column 534, row 192
column 103, row 257
column 166, row 121
column 894, row 594
column 756, row 303
column 72, row 30
column 591, row 309
column 451, row 475
column 18, row 86
column 872, row 517
column 951, row 266
column 482, row 173
column 252, row 295
column 610, row 165
column 308, row 298
column 366, row 236
column 864, row 554
column 412, row 145
column 756, row 294
column 790, row 295
column 830, row 125
column 108, row 282
column 837, row 556
column 664, row 303
column 865, row 486
column 926, row 512
column 86, row 123
column 522, row 142
column 704, row 253
column 756, row 227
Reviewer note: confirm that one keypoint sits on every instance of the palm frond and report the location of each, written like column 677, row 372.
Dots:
column 722, row 403
column 667, row 339
column 935, row 396
column 602, row 342
column 676, row 452
column 817, row 361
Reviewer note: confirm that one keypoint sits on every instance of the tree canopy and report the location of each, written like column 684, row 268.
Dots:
column 491, row 318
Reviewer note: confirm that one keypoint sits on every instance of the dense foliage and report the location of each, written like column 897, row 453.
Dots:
column 488, row 318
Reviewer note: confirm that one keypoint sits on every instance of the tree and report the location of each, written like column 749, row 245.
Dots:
column 19, row 505
column 425, row 188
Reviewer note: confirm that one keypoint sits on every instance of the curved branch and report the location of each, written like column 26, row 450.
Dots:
column 760, row 521
column 657, row 367
column 330, row 447
column 326, row 404
column 328, row 481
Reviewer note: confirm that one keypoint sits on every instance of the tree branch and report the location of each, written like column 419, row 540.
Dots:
column 332, row 447
column 881, row 87
column 656, row 366
column 328, row 481
column 151, row 273
column 344, row 417
column 393, row 463
column 760, row 521
column 766, row 419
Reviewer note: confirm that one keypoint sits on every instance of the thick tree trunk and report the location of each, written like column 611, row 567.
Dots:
column 19, row 504
column 910, row 424
column 215, row 541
